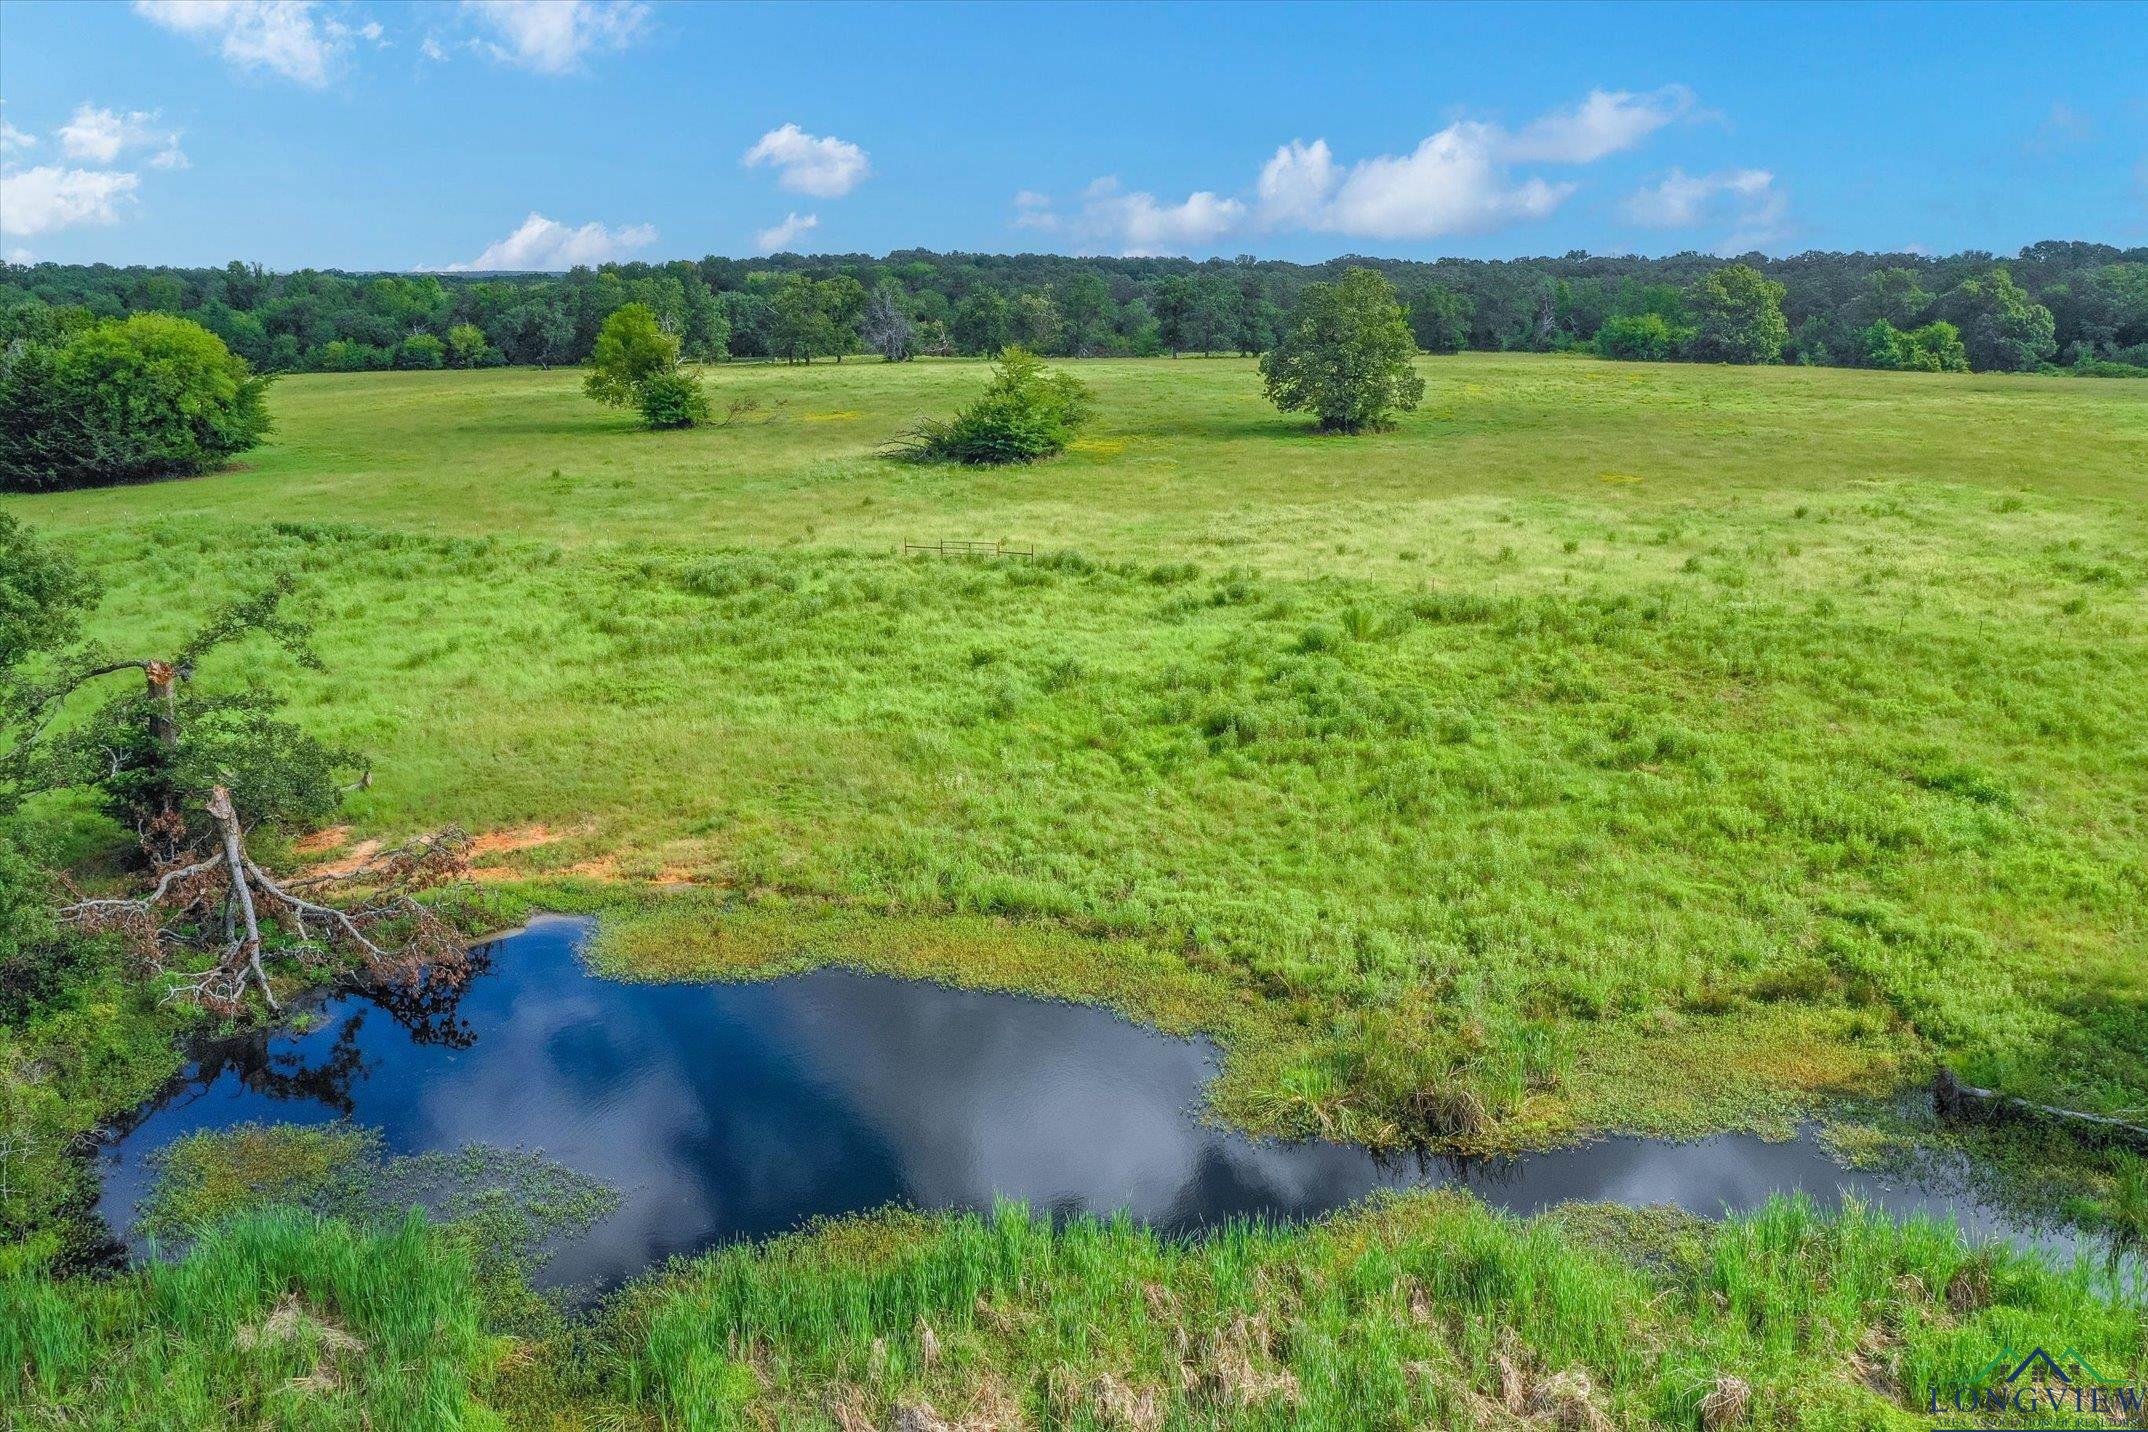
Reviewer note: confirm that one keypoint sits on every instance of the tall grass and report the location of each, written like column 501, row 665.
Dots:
column 278, row 1319
column 1417, row 1310
column 1425, row 1310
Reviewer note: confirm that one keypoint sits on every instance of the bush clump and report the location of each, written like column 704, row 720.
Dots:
column 1028, row 412
column 672, row 400
column 124, row 400
column 1639, row 338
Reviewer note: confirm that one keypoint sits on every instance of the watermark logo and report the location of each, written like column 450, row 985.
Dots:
column 2036, row 1382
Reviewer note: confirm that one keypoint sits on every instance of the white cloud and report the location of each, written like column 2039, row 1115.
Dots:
column 1295, row 183
column 13, row 138
column 20, row 256
column 1746, row 200
column 553, row 36
column 546, row 245
column 825, row 167
column 1461, row 180
column 1681, row 200
column 1451, row 184
column 99, row 136
column 286, row 37
column 431, row 49
column 1136, row 223
column 40, row 200
column 777, row 238
column 1605, row 123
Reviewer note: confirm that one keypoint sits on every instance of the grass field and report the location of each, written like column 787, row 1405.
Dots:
column 1642, row 746
column 1609, row 746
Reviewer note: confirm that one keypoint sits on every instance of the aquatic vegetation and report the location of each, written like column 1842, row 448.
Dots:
column 503, row 1205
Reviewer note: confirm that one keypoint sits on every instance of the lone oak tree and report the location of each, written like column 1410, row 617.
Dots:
column 1344, row 355
column 632, row 347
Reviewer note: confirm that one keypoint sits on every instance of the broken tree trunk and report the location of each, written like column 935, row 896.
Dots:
column 227, row 825
column 214, row 904
column 1952, row 1099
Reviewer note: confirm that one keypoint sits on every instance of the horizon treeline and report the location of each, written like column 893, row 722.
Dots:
column 2081, row 306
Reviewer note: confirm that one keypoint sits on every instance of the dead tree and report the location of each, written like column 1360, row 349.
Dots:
column 214, row 905
column 211, row 914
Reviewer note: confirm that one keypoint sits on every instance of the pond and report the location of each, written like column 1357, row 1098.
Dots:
column 730, row 1111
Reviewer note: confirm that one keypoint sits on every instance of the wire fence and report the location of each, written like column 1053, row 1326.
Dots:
column 959, row 547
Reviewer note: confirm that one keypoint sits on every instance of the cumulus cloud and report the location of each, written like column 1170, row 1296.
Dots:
column 1460, row 180
column 1296, row 183
column 101, row 135
column 553, row 36
column 823, row 166
column 546, row 245
column 1746, row 201
column 1606, row 123
column 13, row 138
column 1139, row 223
column 1452, row 183
column 50, row 197
column 285, row 37
column 778, row 238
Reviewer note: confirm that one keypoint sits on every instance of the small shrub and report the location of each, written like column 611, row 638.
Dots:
column 672, row 400
column 1641, row 338
column 1028, row 412
column 1318, row 637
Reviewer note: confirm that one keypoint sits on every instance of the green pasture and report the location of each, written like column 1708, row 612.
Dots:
column 1638, row 746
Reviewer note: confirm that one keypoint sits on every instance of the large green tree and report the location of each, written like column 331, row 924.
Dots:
column 845, row 300
column 2002, row 327
column 1084, row 304
column 800, row 326
column 124, row 400
column 1737, row 316
column 1171, row 303
column 1344, row 355
column 631, row 348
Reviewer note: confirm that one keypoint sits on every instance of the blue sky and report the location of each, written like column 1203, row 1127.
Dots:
column 506, row 134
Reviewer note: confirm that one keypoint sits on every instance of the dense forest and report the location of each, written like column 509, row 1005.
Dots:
column 2080, row 306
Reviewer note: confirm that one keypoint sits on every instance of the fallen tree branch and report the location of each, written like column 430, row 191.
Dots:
column 1955, row 1100
column 216, row 904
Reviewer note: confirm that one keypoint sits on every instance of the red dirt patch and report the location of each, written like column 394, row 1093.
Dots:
column 322, row 841
column 521, row 837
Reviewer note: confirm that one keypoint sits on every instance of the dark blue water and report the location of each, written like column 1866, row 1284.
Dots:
column 729, row 1111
